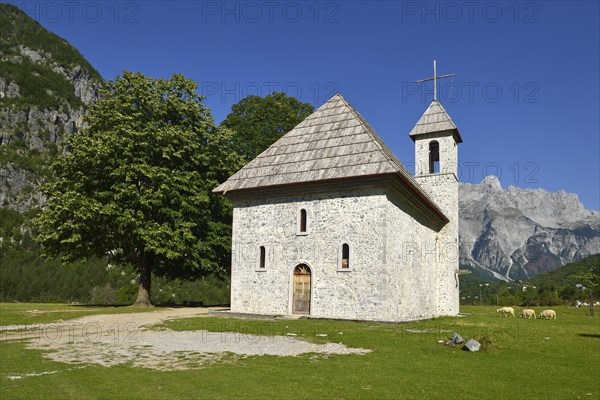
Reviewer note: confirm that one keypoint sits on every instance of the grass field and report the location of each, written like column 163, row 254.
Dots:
column 42, row 313
column 521, row 359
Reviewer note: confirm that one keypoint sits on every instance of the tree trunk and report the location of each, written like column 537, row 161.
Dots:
column 143, row 296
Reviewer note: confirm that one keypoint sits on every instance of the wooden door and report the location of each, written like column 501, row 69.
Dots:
column 301, row 295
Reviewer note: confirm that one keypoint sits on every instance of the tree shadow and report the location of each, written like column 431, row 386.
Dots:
column 592, row 335
column 129, row 306
column 100, row 305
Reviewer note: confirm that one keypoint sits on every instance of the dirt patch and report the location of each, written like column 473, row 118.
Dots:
column 113, row 339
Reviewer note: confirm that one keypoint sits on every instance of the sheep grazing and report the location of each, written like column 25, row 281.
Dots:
column 506, row 311
column 528, row 313
column 548, row 314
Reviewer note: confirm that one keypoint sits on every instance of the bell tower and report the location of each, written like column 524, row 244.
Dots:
column 436, row 139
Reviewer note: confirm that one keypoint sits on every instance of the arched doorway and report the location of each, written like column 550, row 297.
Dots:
column 301, row 294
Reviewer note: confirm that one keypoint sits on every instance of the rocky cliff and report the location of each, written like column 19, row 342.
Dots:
column 45, row 86
column 518, row 233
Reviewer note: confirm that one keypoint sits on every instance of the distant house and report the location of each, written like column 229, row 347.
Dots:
column 327, row 222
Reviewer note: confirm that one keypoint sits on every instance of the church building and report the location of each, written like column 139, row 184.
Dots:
column 328, row 223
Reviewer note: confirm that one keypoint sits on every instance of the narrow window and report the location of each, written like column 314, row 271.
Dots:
column 303, row 221
column 345, row 256
column 434, row 157
column 263, row 252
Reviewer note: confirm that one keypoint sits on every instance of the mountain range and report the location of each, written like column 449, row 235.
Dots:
column 518, row 233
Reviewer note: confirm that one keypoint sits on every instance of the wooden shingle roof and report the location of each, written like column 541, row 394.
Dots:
column 435, row 119
column 334, row 143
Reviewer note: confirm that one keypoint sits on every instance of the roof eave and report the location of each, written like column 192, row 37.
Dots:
column 455, row 133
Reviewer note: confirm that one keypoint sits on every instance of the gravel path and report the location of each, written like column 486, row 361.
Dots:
column 113, row 339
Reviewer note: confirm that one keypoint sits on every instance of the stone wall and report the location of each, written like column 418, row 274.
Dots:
column 386, row 279
column 448, row 149
column 411, row 264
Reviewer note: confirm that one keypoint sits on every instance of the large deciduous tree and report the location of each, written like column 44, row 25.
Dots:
column 259, row 121
column 135, row 185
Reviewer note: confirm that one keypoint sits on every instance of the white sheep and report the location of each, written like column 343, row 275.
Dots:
column 528, row 313
column 548, row 314
column 506, row 311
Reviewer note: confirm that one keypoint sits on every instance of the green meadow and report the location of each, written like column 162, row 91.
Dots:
column 519, row 359
column 43, row 313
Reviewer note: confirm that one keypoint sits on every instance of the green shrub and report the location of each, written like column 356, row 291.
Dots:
column 488, row 343
column 126, row 294
column 102, row 295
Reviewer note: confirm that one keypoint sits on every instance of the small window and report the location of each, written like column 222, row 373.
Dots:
column 261, row 265
column 344, row 258
column 434, row 157
column 262, row 257
column 302, row 222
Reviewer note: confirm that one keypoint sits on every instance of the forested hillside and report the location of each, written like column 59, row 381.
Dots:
column 551, row 288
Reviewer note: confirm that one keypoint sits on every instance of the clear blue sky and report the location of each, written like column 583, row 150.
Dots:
column 525, row 96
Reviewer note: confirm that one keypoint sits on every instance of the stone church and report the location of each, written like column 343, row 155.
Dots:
column 328, row 223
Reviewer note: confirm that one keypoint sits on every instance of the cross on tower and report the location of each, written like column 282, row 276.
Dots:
column 434, row 79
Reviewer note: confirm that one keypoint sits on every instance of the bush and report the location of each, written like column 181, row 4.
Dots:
column 126, row 294
column 102, row 295
column 488, row 343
